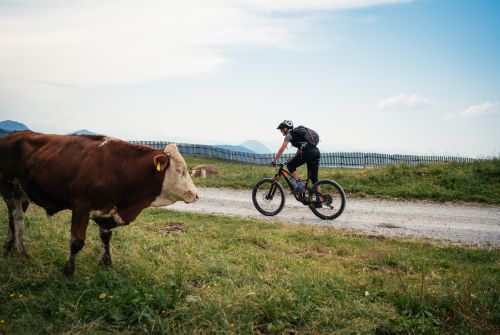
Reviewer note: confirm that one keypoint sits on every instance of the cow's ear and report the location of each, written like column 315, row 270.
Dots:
column 161, row 162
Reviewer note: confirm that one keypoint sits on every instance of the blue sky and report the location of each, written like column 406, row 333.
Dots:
column 397, row 76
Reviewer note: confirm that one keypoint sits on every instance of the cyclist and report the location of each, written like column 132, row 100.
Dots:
column 306, row 153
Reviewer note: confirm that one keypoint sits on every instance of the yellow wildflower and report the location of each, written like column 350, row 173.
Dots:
column 103, row 296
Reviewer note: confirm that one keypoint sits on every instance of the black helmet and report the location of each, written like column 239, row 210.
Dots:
column 285, row 124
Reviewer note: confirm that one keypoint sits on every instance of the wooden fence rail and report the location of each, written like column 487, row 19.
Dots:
column 333, row 159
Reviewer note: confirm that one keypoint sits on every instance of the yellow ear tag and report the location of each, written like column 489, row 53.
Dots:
column 158, row 166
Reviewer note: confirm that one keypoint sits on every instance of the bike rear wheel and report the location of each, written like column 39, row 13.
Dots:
column 268, row 197
column 333, row 199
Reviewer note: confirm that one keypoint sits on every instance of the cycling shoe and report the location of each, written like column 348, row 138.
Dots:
column 299, row 190
column 317, row 204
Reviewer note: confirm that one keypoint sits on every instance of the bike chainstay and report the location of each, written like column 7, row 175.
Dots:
column 305, row 197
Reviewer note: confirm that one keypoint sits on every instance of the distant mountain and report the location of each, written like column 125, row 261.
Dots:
column 256, row 147
column 4, row 132
column 234, row 148
column 11, row 126
column 84, row 132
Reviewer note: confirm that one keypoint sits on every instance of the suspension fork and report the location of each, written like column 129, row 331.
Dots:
column 276, row 179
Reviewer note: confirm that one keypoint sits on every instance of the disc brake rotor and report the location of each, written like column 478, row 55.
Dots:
column 267, row 198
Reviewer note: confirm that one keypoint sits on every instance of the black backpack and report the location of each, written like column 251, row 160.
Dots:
column 309, row 135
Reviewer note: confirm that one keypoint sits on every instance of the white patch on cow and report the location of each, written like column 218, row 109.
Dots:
column 177, row 184
column 108, row 139
column 112, row 213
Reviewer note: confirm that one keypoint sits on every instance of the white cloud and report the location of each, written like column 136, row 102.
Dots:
column 116, row 42
column 475, row 111
column 405, row 102
column 310, row 5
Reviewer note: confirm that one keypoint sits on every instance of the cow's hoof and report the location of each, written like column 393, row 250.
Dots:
column 7, row 248
column 23, row 257
column 69, row 269
column 105, row 262
column 6, row 252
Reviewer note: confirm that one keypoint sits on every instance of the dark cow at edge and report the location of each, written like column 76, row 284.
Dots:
column 96, row 177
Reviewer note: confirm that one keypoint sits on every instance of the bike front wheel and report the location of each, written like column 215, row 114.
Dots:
column 332, row 200
column 268, row 197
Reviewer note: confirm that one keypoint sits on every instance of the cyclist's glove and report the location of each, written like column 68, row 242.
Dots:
column 273, row 163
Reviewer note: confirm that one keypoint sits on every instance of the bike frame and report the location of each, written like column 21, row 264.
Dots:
column 284, row 172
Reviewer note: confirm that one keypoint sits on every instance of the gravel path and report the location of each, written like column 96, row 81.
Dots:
column 459, row 223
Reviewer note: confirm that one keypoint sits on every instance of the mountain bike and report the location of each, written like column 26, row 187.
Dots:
column 326, row 199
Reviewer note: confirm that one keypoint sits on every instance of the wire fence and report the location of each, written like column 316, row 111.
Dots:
column 333, row 159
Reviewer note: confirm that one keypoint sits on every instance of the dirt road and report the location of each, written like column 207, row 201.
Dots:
column 462, row 223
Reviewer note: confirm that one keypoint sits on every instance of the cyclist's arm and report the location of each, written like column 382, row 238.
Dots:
column 280, row 151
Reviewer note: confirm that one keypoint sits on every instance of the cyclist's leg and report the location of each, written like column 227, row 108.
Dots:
column 313, row 168
column 312, row 156
column 292, row 165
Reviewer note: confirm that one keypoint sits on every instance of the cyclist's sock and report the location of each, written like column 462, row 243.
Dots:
column 299, row 183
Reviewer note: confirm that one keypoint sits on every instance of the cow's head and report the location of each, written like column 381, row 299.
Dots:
column 177, row 185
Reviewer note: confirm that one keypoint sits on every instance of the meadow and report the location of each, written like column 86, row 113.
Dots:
column 181, row 273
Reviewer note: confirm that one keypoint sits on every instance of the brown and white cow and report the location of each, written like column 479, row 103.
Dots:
column 96, row 177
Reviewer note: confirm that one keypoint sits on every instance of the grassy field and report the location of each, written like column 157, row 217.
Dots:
column 471, row 182
column 179, row 273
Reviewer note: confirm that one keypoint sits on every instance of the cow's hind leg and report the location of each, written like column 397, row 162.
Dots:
column 17, row 206
column 79, row 223
column 105, row 235
column 9, row 243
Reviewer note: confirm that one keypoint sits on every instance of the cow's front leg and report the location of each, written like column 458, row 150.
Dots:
column 79, row 223
column 106, row 222
column 105, row 259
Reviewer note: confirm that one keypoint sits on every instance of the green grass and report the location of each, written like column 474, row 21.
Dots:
column 469, row 182
column 241, row 276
